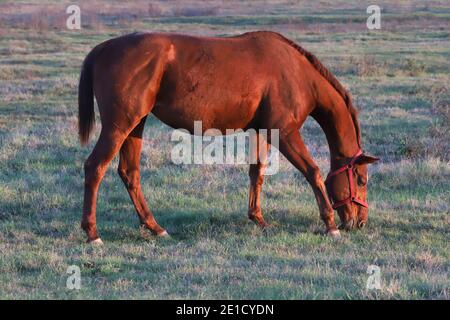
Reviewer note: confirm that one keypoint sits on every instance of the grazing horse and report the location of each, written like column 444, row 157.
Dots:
column 257, row 80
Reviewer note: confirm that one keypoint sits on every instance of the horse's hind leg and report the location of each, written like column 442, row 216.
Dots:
column 129, row 171
column 107, row 146
column 256, row 174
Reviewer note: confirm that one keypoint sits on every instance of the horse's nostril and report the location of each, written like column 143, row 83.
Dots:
column 361, row 224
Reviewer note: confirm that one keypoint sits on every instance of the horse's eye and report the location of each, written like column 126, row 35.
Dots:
column 362, row 181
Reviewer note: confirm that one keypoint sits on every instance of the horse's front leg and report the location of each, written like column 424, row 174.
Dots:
column 294, row 149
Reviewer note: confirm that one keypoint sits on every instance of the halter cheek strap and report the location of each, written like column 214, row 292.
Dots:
column 352, row 197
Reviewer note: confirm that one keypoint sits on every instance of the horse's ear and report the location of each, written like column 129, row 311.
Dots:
column 366, row 159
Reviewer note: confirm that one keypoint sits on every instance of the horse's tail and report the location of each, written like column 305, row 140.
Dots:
column 86, row 115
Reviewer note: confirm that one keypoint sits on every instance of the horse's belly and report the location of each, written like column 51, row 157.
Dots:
column 213, row 111
column 184, row 117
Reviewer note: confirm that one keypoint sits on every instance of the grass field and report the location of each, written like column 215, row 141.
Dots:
column 400, row 79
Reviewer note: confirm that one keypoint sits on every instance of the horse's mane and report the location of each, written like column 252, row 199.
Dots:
column 324, row 72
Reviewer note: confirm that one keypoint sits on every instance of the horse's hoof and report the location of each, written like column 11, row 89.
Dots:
column 96, row 242
column 163, row 234
column 335, row 234
column 266, row 227
column 258, row 219
column 268, row 230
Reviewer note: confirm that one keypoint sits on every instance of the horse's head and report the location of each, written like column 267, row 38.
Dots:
column 347, row 188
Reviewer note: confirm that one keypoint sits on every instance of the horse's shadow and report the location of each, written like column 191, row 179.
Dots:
column 194, row 225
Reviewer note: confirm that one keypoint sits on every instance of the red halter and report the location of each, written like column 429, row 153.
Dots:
column 349, row 169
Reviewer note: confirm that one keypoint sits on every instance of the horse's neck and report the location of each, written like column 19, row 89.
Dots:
column 334, row 117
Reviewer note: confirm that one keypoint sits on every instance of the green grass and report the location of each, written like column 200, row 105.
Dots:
column 215, row 252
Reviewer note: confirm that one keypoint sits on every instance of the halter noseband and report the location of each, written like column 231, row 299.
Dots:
column 352, row 197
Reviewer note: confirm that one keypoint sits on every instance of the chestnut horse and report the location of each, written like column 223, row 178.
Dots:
column 258, row 80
